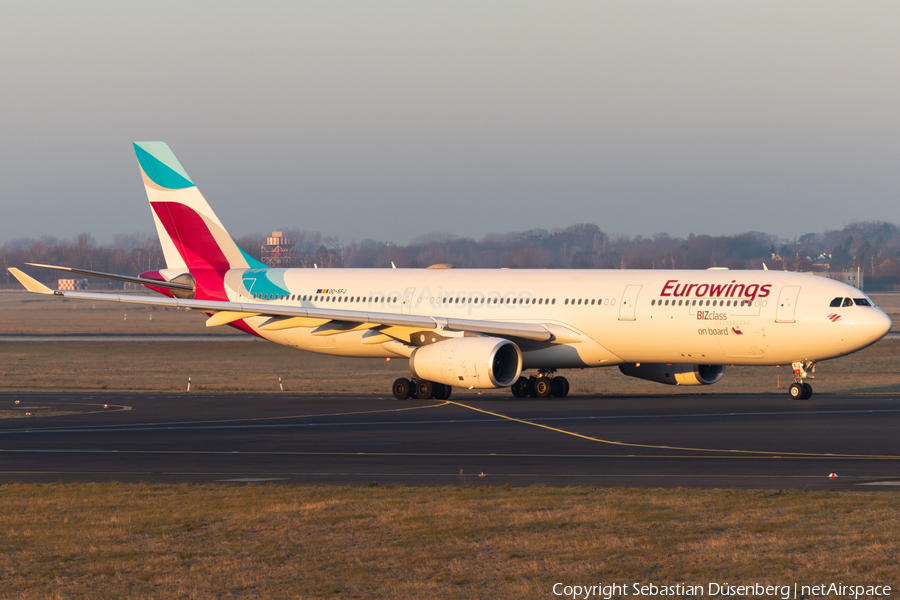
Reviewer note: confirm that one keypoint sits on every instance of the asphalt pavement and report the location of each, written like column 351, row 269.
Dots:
column 740, row 441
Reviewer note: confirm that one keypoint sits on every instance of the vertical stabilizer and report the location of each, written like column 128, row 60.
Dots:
column 191, row 235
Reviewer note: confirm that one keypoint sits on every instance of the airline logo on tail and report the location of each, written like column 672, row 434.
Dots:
column 192, row 237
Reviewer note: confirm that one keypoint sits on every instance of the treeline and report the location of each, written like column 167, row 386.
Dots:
column 872, row 247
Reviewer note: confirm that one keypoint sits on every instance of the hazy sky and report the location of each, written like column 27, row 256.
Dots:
column 388, row 120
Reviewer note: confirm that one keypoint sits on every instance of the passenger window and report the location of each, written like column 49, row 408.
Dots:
column 848, row 302
column 862, row 302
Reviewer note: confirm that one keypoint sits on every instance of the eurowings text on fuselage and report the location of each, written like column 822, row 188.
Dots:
column 478, row 328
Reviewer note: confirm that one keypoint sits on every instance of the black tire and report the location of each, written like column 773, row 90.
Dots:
column 556, row 387
column 424, row 390
column 542, row 387
column 529, row 387
column 402, row 389
column 564, row 383
column 796, row 391
column 807, row 391
column 442, row 391
column 520, row 388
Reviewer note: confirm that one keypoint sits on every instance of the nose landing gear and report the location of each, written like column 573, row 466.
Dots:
column 800, row 390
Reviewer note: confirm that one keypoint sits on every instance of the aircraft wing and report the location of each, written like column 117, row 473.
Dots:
column 326, row 319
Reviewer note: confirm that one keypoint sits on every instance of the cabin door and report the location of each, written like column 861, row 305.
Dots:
column 407, row 300
column 787, row 304
column 629, row 302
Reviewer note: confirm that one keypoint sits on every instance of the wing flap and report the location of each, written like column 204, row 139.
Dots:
column 227, row 316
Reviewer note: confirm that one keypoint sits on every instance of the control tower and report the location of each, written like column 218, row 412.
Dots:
column 278, row 251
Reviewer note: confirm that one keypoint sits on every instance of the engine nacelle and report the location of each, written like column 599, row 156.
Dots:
column 471, row 362
column 675, row 374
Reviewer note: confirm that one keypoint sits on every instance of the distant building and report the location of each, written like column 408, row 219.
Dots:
column 854, row 278
column 823, row 262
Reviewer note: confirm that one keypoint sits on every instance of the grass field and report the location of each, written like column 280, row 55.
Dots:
column 202, row 541
column 256, row 366
column 150, row 541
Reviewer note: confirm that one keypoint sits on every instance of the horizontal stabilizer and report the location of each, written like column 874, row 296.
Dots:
column 172, row 285
column 31, row 284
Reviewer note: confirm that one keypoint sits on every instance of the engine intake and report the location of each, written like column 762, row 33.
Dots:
column 472, row 362
column 675, row 374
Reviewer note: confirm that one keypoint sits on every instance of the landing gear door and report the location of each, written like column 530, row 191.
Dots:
column 408, row 300
column 629, row 302
column 787, row 304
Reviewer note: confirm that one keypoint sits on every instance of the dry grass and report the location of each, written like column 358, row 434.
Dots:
column 154, row 541
column 23, row 312
column 256, row 366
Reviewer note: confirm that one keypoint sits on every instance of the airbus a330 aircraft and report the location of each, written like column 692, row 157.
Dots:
column 481, row 328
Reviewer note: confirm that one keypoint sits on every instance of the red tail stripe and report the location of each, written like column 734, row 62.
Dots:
column 197, row 247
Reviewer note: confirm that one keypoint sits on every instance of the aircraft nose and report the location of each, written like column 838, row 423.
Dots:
column 881, row 324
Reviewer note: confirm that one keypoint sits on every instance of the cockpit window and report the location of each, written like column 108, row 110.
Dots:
column 836, row 302
column 862, row 302
column 848, row 302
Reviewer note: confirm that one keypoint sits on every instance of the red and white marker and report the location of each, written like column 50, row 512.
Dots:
column 28, row 414
column 833, row 475
column 17, row 401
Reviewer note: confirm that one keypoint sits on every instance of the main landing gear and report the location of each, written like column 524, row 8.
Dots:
column 800, row 390
column 542, row 385
column 421, row 389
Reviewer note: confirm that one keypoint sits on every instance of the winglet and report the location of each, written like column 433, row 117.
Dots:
column 31, row 284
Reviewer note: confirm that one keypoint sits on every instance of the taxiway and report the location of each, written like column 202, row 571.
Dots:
column 643, row 441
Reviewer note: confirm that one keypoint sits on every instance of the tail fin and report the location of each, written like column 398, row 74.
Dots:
column 191, row 235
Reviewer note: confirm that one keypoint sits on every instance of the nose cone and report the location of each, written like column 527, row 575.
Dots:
column 881, row 324
column 867, row 327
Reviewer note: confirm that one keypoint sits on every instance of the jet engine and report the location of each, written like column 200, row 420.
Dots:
column 675, row 374
column 471, row 362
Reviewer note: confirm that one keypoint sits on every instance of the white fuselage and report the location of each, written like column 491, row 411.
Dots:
column 598, row 318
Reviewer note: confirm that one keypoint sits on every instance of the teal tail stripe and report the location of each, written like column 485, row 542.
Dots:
column 254, row 264
column 161, row 166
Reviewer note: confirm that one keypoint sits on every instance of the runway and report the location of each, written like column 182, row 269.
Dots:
column 642, row 441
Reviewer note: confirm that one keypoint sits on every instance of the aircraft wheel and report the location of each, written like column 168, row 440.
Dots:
column 797, row 392
column 520, row 388
column 424, row 390
column 442, row 391
column 563, row 387
column 542, row 387
column 807, row 391
column 529, row 387
column 402, row 389
column 556, row 387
